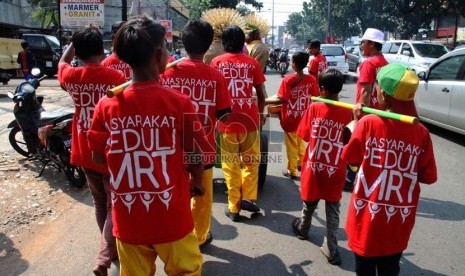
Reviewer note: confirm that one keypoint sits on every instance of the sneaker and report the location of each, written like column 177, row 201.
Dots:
column 288, row 175
column 207, row 241
column 334, row 260
column 233, row 216
column 249, row 205
column 295, row 228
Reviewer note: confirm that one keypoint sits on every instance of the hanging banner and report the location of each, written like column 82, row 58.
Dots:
column 169, row 29
column 80, row 13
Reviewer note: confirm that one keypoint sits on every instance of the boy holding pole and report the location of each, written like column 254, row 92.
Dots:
column 394, row 157
column 323, row 170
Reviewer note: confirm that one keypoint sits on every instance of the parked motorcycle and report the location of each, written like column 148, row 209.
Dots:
column 283, row 63
column 40, row 135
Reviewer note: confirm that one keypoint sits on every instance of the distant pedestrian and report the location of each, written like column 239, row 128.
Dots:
column 294, row 95
column 323, row 171
column 145, row 135
column 394, row 158
column 208, row 90
column 318, row 63
column 86, row 85
column 26, row 60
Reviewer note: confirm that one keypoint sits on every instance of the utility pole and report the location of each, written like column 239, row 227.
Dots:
column 328, row 36
column 272, row 24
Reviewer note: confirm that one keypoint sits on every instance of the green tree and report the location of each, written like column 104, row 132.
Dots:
column 45, row 12
column 196, row 7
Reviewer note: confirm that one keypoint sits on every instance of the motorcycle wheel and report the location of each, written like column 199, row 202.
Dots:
column 17, row 141
column 75, row 175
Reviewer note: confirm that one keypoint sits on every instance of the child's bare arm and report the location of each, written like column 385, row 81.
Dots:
column 196, row 171
column 99, row 158
column 274, row 100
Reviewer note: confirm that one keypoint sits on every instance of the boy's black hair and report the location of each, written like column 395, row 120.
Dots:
column 300, row 59
column 332, row 80
column 115, row 27
column 233, row 39
column 88, row 42
column 378, row 46
column 314, row 43
column 197, row 36
column 138, row 39
column 24, row 44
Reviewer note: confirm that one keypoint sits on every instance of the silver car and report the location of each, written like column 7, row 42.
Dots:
column 440, row 98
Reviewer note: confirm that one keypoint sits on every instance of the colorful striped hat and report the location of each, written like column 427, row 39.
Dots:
column 398, row 81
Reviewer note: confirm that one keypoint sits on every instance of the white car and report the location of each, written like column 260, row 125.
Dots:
column 418, row 55
column 440, row 98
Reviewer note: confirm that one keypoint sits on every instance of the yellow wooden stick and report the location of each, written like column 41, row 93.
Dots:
column 395, row 116
column 118, row 89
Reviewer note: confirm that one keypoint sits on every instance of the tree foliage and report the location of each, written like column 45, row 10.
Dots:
column 196, row 7
column 45, row 12
column 349, row 18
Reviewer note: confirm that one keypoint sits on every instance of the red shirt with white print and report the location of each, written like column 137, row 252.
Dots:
column 242, row 74
column 87, row 85
column 297, row 93
column 323, row 171
column 317, row 65
column 208, row 91
column 144, row 133
column 114, row 62
column 394, row 157
column 368, row 70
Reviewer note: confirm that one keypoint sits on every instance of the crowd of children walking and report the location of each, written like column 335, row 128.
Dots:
column 148, row 152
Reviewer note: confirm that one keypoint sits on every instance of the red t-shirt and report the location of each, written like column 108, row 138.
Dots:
column 86, row 85
column 298, row 99
column 317, row 65
column 323, row 171
column 114, row 62
column 394, row 157
column 144, row 133
column 208, row 91
column 242, row 73
column 368, row 70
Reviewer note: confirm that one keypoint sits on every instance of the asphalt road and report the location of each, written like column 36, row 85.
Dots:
column 264, row 244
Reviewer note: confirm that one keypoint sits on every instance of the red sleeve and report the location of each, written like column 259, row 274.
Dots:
column 315, row 89
column 427, row 171
column 193, row 137
column 303, row 131
column 259, row 77
column 97, row 135
column 367, row 73
column 63, row 69
column 313, row 70
column 354, row 151
column 284, row 89
column 224, row 99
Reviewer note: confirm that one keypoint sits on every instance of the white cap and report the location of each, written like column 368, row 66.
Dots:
column 373, row 35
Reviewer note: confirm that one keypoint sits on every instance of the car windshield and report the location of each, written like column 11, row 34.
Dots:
column 430, row 50
column 53, row 41
column 332, row 51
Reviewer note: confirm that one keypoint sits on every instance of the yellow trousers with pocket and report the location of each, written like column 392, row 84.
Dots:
column 240, row 159
column 202, row 207
column 295, row 149
column 181, row 257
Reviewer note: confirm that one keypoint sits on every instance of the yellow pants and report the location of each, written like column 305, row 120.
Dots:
column 240, row 159
column 295, row 149
column 181, row 257
column 202, row 207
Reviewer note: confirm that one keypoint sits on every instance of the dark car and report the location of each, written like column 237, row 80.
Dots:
column 354, row 57
column 46, row 52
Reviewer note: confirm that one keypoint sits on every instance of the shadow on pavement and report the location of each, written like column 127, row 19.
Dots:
column 233, row 263
column 11, row 262
column 409, row 268
column 440, row 209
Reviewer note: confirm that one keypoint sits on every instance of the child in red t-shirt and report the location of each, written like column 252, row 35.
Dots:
column 113, row 61
column 323, row 171
column 239, row 135
column 318, row 63
column 86, row 85
column 294, row 96
column 394, row 157
column 148, row 136
column 208, row 90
